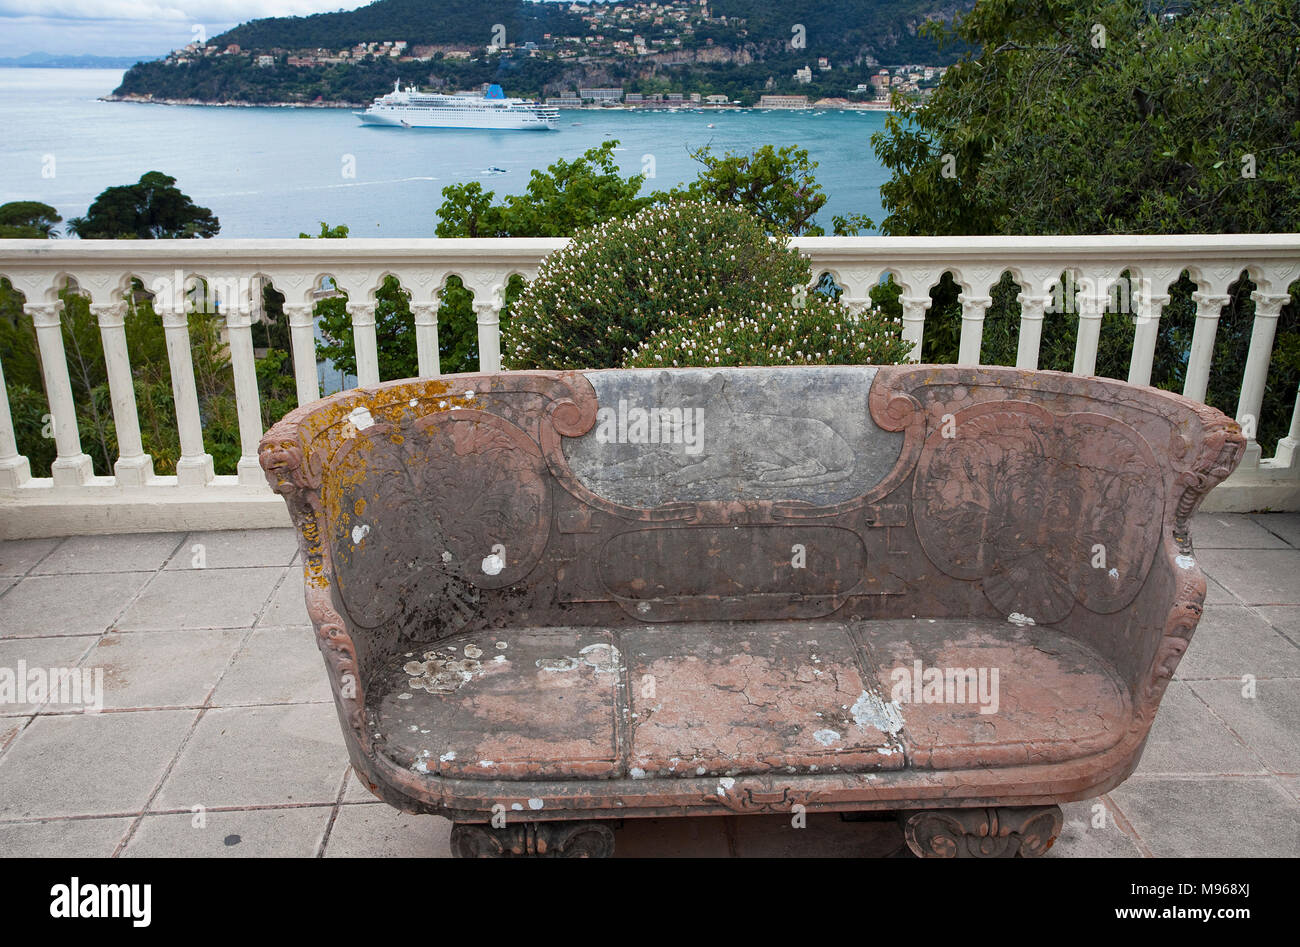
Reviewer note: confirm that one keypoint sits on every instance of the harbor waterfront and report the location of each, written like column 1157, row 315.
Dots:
column 278, row 171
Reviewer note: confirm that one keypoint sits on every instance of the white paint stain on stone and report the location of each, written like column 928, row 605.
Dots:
column 725, row 783
column 361, row 419
column 448, row 756
column 826, row 737
column 637, row 772
column 1185, row 562
column 1018, row 619
column 871, row 711
column 535, row 804
column 359, row 532
column 493, row 564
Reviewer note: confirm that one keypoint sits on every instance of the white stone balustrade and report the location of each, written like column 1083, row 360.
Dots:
column 69, row 498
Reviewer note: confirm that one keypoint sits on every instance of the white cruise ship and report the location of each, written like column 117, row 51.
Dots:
column 410, row 108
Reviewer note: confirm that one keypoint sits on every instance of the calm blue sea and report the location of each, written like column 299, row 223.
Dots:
column 275, row 172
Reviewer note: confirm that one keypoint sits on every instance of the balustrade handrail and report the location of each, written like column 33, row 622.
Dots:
column 103, row 270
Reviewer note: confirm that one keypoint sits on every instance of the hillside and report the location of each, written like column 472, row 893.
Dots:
column 739, row 48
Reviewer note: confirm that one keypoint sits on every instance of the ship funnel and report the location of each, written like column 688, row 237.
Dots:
column 494, row 92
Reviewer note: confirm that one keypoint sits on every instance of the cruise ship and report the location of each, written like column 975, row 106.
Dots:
column 410, row 108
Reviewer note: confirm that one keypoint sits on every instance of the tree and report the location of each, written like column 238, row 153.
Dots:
column 568, row 196
column 28, row 220
column 1080, row 117
column 151, row 209
column 776, row 185
column 1084, row 118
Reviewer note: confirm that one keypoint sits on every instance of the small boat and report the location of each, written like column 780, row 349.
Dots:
column 710, row 125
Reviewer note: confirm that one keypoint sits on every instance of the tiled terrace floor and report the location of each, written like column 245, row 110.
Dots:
column 217, row 699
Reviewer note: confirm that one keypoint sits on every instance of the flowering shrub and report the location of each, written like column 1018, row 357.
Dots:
column 820, row 332
column 675, row 265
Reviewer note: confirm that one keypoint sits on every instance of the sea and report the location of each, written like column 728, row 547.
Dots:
column 277, row 172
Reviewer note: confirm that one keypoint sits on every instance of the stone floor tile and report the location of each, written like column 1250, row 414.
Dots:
column 1268, row 723
column 9, row 728
column 240, row 833
column 1213, row 751
column 236, row 549
column 288, row 605
column 48, row 605
column 45, row 654
column 276, row 666
column 202, row 598
column 1216, row 594
column 163, row 668
column 1231, row 531
column 18, row 556
column 377, row 830
column 1089, row 830
column 134, row 552
column 255, row 756
column 1256, row 576
column 1284, row 525
column 89, row 764
column 1285, row 618
column 1233, row 817
column 63, row 838
column 1232, row 640
column 355, row 790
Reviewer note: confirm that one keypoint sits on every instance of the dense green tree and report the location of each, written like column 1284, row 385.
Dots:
column 774, row 184
column 151, row 209
column 568, row 196
column 28, row 219
column 1110, row 118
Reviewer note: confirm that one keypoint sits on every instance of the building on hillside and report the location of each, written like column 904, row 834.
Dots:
column 265, row 60
column 783, row 102
column 602, row 96
column 803, row 75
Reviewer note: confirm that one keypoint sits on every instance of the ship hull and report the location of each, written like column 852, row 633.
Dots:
column 402, row 118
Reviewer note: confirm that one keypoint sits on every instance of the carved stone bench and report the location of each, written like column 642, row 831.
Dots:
column 548, row 601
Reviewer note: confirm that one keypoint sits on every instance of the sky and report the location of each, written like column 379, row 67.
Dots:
column 144, row 28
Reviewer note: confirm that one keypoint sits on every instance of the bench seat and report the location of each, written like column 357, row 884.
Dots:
column 743, row 698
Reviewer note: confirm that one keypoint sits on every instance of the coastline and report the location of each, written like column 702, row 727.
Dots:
column 695, row 107
column 151, row 100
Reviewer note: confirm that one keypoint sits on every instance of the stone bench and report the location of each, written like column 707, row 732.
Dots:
column 550, row 600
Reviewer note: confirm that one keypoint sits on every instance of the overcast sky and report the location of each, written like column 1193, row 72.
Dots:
column 144, row 28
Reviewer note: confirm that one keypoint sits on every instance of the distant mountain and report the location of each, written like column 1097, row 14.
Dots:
column 832, row 27
column 57, row 61
column 737, row 48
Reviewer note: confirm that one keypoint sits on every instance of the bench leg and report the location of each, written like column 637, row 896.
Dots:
column 998, row 832
column 533, row 839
